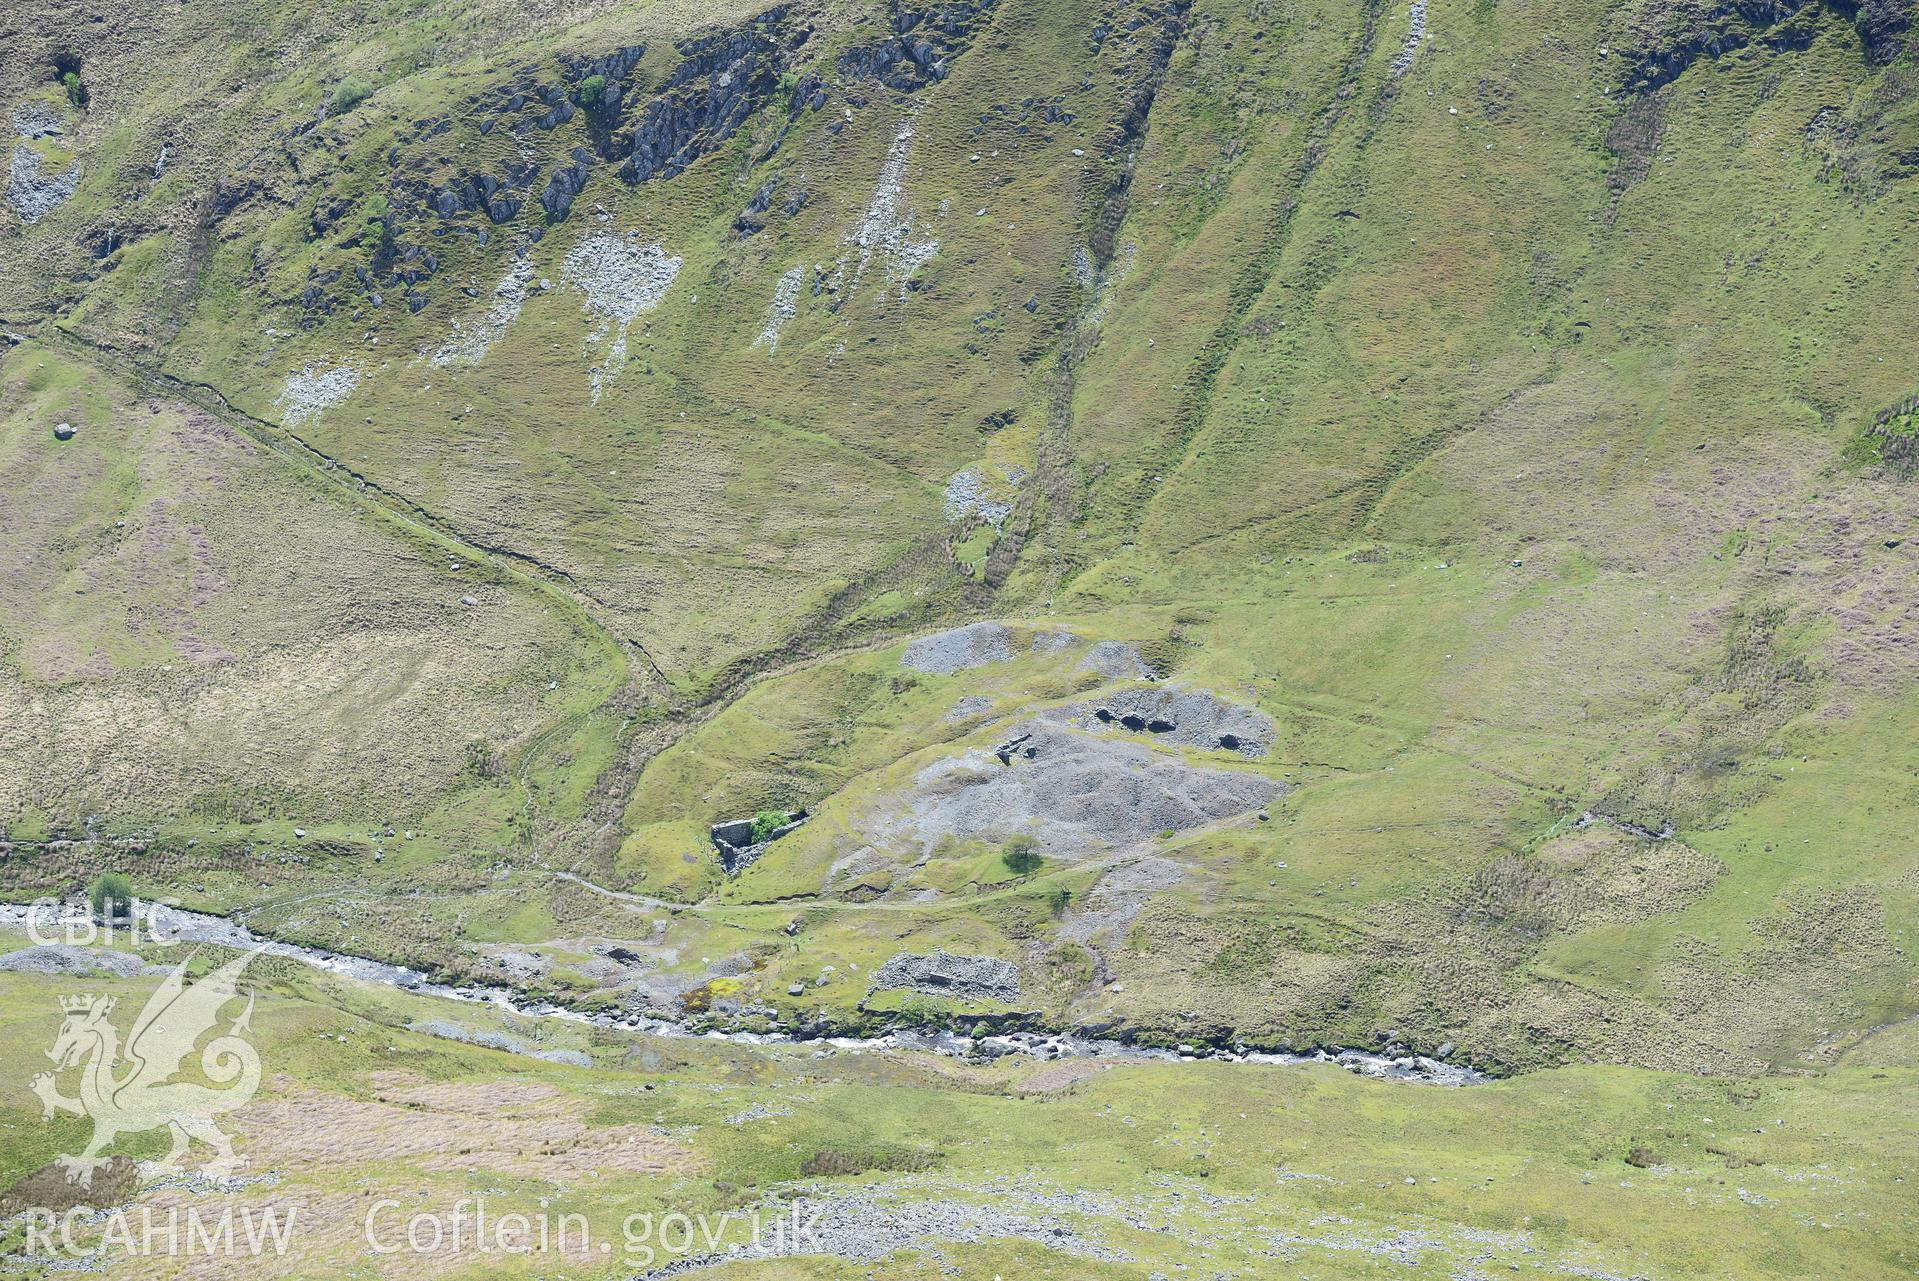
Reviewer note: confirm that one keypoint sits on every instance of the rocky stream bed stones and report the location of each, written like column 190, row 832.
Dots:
column 196, row 927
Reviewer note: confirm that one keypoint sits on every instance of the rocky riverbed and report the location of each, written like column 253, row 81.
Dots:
column 178, row 925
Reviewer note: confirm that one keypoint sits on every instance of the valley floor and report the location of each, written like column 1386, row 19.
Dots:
column 382, row 1144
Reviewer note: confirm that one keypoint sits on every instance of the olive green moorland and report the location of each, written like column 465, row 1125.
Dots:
column 1135, row 541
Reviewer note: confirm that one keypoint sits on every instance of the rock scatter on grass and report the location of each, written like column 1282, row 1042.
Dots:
column 61, row 958
column 472, row 342
column 939, row 973
column 1403, row 61
column 959, row 650
column 498, row 1041
column 315, row 389
column 966, row 496
column 785, row 306
column 886, row 229
column 621, row 278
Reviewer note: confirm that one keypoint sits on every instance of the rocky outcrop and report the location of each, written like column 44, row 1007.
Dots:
column 917, row 52
column 611, row 67
column 751, row 220
column 1883, row 26
column 1893, row 439
column 966, row 978
column 564, row 187
column 722, row 80
column 498, row 198
column 1633, row 139
column 1671, row 40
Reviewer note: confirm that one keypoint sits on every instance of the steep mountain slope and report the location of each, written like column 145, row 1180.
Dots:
column 1473, row 432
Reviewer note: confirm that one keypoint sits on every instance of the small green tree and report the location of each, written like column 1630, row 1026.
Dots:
column 111, row 896
column 1057, row 899
column 767, row 822
column 1021, row 856
column 76, row 88
column 590, row 90
column 350, row 93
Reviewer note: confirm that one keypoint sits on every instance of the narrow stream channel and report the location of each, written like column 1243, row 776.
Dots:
column 179, row 925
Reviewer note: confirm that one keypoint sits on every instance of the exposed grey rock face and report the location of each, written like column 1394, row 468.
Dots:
column 944, row 974
column 33, row 192
column 566, row 184
column 922, row 43
column 723, row 79
column 959, row 650
column 616, row 65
